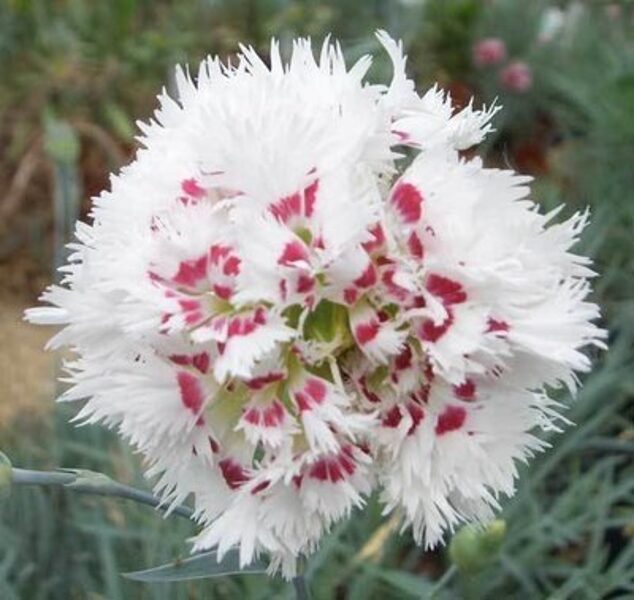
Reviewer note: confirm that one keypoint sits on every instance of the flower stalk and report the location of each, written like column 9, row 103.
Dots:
column 82, row 481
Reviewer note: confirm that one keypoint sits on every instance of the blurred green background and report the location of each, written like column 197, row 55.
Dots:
column 74, row 76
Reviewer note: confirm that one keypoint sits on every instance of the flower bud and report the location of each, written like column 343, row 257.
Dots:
column 472, row 547
column 516, row 77
column 488, row 52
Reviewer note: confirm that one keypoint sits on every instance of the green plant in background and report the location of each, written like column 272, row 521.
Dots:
column 445, row 38
column 570, row 526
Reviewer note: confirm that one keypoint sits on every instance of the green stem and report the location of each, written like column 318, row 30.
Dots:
column 443, row 581
column 301, row 588
column 90, row 482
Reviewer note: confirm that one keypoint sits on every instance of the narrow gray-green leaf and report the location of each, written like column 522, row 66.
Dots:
column 200, row 566
column 413, row 585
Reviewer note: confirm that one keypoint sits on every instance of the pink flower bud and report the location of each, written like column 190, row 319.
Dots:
column 489, row 51
column 516, row 77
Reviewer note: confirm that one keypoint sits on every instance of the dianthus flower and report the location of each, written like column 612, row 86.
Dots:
column 299, row 293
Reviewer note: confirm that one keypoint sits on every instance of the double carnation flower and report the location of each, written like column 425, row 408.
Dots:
column 299, row 293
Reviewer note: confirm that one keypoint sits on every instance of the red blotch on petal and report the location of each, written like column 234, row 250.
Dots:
column 257, row 383
column 222, row 291
column 451, row 419
column 260, row 316
column 392, row 417
column 231, row 266
column 366, row 332
column 273, row 415
column 350, row 295
column 192, row 318
column 333, row 468
column 400, row 293
column 497, row 326
column 417, row 413
column 316, row 389
column 408, row 202
column 305, row 284
column 189, row 305
column 312, row 394
column 310, row 196
column 367, row 278
column 415, row 246
column 191, row 391
column 404, row 359
column 233, row 473
column 293, row 252
column 260, row 487
column 287, row 207
column 466, row 390
column 180, row 359
column 192, row 188
column 190, row 272
column 201, row 362
column 252, row 415
column 431, row 332
column 367, row 392
column 217, row 252
column 246, row 325
column 451, row 292
column 378, row 239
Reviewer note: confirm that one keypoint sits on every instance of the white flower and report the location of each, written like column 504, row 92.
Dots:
column 282, row 315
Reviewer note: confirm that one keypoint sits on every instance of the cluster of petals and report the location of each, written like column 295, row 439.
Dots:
column 300, row 294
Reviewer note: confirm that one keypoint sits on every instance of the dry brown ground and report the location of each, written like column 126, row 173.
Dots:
column 27, row 372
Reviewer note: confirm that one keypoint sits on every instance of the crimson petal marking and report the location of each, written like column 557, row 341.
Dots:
column 408, row 201
column 246, row 325
column 403, row 360
column 257, row 383
column 287, row 207
column 271, row 415
column 312, row 394
column 293, row 252
column 415, row 246
column 192, row 188
column 190, row 272
column 367, row 392
column 350, row 295
column 367, row 278
column 191, row 391
column 333, row 468
column 451, row 419
column 417, row 413
column 310, row 196
column 366, row 332
column 466, row 390
column 305, row 284
column 201, row 362
column 449, row 291
column 222, row 291
column 497, row 326
column 291, row 206
column 233, row 472
column 430, row 332
column 377, row 241
column 392, row 418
